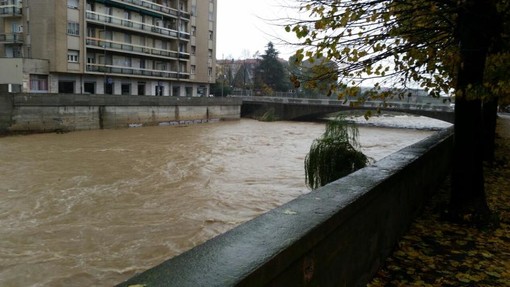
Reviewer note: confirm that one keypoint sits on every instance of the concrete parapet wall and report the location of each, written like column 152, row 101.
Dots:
column 54, row 118
column 67, row 112
column 6, row 111
column 336, row 236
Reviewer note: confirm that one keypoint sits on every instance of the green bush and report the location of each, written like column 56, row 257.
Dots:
column 334, row 154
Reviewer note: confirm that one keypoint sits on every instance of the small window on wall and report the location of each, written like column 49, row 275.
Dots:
column 176, row 91
column 73, row 28
column 125, row 89
column 141, row 88
column 89, row 87
column 38, row 83
column 73, row 4
column 73, row 56
column 66, row 87
column 159, row 90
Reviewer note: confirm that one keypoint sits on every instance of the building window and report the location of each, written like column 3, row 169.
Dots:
column 182, row 47
column 193, row 69
column 73, row 4
column 210, row 53
column 159, row 90
column 183, row 26
column 73, row 28
column 160, row 66
column 125, row 89
column 38, row 83
column 141, row 88
column 73, row 56
column 108, row 86
column 66, row 87
column 89, row 87
column 193, row 30
column 193, row 50
column 210, row 72
column 211, row 35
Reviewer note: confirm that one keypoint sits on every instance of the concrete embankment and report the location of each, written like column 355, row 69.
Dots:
column 336, row 236
column 69, row 112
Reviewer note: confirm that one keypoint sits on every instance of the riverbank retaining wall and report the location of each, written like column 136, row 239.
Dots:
column 338, row 235
column 69, row 112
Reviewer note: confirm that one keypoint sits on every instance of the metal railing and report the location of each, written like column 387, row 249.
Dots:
column 122, row 70
column 11, row 38
column 151, row 6
column 128, row 47
column 12, row 7
column 121, row 22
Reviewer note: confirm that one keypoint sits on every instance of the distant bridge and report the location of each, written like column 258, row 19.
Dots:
column 312, row 109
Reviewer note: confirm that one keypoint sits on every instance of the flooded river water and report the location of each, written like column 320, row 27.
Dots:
column 92, row 208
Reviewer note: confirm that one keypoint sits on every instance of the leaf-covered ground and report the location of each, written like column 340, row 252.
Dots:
column 435, row 252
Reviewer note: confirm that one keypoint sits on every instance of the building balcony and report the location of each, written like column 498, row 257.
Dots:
column 129, row 48
column 11, row 38
column 153, row 7
column 134, row 71
column 112, row 21
column 14, row 8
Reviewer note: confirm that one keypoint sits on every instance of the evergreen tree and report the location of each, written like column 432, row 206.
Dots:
column 271, row 73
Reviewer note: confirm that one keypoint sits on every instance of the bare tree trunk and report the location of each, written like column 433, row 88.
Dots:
column 489, row 117
column 468, row 201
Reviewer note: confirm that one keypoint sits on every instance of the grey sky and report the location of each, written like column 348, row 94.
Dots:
column 244, row 28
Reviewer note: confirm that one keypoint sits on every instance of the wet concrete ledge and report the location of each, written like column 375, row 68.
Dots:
column 336, row 236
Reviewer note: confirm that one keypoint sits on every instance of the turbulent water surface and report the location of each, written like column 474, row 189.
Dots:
column 92, row 208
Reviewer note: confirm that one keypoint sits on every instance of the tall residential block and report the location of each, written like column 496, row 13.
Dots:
column 121, row 47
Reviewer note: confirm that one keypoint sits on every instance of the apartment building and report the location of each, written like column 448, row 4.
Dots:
column 120, row 47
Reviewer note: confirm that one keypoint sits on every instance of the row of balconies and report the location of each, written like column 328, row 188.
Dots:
column 11, row 38
column 156, row 7
column 11, row 8
column 133, row 48
column 109, row 20
column 121, row 70
column 14, row 8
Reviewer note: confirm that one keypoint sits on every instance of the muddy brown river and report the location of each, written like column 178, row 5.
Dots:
column 92, row 208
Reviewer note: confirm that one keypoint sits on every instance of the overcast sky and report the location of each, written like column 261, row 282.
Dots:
column 244, row 28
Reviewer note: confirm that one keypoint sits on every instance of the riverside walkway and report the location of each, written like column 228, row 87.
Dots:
column 439, row 253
